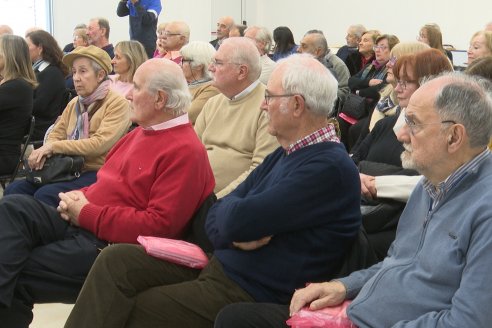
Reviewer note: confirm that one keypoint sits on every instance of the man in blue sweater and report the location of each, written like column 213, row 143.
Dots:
column 437, row 272
column 291, row 221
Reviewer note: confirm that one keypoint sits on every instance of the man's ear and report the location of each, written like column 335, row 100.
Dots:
column 299, row 105
column 160, row 99
column 456, row 137
column 243, row 72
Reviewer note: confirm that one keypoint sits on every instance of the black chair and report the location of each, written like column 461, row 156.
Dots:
column 360, row 256
column 196, row 232
column 25, row 143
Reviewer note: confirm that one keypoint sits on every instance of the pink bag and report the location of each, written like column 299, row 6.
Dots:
column 329, row 317
column 175, row 251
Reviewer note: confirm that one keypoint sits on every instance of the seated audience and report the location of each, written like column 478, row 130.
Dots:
column 49, row 96
column 436, row 270
column 231, row 125
column 480, row 45
column 431, row 34
column 367, row 83
column 77, row 34
column 354, row 34
column 147, row 186
column 379, row 154
column 263, row 41
column 128, row 56
column 197, row 57
column 224, row 26
column 365, row 55
column 388, row 101
column 268, row 239
column 314, row 43
column 89, row 126
column 98, row 33
column 174, row 36
column 284, row 43
column 80, row 39
column 17, row 81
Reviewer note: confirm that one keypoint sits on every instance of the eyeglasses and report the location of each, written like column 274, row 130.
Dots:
column 403, row 84
column 218, row 62
column 167, row 33
column 415, row 128
column 379, row 48
column 268, row 96
column 183, row 60
column 392, row 61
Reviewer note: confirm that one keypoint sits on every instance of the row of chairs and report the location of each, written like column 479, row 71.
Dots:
column 5, row 179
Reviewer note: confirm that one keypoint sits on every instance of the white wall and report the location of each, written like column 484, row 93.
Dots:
column 458, row 19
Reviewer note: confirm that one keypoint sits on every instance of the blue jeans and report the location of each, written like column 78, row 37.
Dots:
column 48, row 194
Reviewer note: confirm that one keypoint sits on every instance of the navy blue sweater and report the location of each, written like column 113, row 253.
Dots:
column 308, row 201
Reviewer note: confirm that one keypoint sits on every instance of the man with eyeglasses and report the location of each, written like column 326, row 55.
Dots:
column 289, row 222
column 172, row 39
column 143, row 16
column 231, row 124
column 437, row 272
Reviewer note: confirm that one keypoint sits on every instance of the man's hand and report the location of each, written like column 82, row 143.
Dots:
column 368, row 186
column 71, row 203
column 38, row 157
column 318, row 296
column 252, row 245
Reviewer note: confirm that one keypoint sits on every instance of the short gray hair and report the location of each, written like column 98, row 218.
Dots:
column 467, row 100
column 358, row 30
column 305, row 75
column 245, row 52
column 263, row 35
column 319, row 41
column 201, row 53
column 174, row 85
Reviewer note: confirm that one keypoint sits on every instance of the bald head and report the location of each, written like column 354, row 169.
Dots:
column 5, row 29
column 224, row 25
column 314, row 43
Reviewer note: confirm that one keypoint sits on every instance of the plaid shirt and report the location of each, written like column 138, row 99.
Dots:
column 325, row 134
column 437, row 192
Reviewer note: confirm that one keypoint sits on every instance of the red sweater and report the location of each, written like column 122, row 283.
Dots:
column 151, row 184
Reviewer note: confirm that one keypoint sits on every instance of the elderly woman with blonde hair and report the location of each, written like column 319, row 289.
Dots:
column 89, row 126
column 197, row 56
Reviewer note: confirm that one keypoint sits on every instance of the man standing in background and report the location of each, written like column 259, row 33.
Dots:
column 143, row 15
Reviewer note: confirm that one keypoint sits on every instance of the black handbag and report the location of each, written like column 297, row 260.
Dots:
column 354, row 106
column 57, row 168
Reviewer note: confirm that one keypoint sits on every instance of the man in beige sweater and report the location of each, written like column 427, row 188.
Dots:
column 231, row 125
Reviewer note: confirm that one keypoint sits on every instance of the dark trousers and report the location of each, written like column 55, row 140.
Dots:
column 128, row 288
column 48, row 194
column 42, row 258
column 253, row 315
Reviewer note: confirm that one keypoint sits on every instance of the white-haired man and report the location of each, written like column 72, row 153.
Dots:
column 289, row 222
column 263, row 40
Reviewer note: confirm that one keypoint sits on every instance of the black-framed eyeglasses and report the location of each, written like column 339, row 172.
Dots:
column 403, row 83
column 416, row 127
column 185, row 60
column 268, row 96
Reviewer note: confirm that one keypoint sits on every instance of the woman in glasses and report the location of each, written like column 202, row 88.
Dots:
column 197, row 56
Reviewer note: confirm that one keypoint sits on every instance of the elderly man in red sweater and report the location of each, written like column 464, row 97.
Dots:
column 153, row 180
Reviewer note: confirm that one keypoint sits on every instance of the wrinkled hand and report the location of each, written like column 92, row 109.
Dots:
column 318, row 296
column 368, row 186
column 38, row 157
column 373, row 82
column 71, row 203
column 252, row 245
